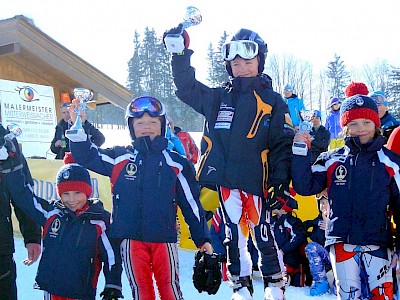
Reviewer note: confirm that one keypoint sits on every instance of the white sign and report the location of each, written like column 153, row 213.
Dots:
column 32, row 107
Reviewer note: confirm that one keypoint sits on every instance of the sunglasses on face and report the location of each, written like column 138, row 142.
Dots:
column 245, row 49
column 146, row 104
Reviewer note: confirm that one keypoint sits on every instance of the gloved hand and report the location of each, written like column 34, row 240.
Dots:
column 199, row 280
column 10, row 159
column 213, row 273
column 111, row 294
column 178, row 31
column 279, row 196
column 207, row 272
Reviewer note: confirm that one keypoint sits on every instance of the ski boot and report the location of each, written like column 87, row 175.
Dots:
column 242, row 288
column 274, row 287
column 319, row 288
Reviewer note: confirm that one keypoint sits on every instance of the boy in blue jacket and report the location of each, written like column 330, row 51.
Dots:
column 75, row 241
column 148, row 183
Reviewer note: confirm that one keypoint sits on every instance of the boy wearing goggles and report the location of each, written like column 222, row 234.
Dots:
column 148, row 182
column 245, row 154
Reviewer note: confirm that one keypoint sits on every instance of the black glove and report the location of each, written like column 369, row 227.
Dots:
column 111, row 294
column 178, row 30
column 199, row 269
column 279, row 197
column 207, row 272
column 213, row 273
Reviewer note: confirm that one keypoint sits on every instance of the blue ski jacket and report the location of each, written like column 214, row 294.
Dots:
column 248, row 133
column 363, row 189
column 296, row 105
column 148, row 183
column 332, row 123
column 76, row 246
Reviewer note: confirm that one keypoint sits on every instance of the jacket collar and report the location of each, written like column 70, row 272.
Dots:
column 355, row 146
column 145, row 145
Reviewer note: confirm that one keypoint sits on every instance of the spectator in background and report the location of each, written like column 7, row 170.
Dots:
column 192, row 152
column 388, row 121
column 290, row 237
column 60, row 143
column 332, row 124
column 321, row 136
column 31, row 232
column 295, row 105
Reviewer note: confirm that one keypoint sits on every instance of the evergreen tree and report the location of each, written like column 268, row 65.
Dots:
column 393, row 92
column 338, row 77
column 217, row 74
column 135, row 69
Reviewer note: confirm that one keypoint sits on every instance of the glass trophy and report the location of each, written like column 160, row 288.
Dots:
column 174, row 42
column 76, row 133
column 301, row 148
column 14, row 131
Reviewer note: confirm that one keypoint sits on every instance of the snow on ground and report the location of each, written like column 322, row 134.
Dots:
column 26, row 275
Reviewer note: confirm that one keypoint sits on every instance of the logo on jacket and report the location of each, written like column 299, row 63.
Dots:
column 131, row 169
column 224, row 117
column 340, row 173
column 55, row 226
column 210, row 169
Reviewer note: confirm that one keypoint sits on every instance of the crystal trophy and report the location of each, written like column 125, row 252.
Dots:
column 174, row 42
column 76, row 133
column 300, row 148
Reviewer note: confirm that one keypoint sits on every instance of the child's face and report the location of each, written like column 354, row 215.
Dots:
column 74, row 200
column 244, row 67
column 364, row 129
column 336, row 106
column 147, row 126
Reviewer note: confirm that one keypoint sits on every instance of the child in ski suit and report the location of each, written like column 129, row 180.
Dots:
column 362, row 179
column 148, row 183
column 290, row 236
column 75, row 241
column 316, row 253
column 332, row 123
column 248, row 134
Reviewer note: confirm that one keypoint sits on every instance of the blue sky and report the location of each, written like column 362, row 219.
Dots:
column 101, row 32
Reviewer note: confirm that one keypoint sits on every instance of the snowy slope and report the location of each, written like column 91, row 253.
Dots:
column 26, row 275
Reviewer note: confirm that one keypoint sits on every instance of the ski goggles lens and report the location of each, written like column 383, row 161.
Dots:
column 245, row 49
column 146, row 104
column 379, row 99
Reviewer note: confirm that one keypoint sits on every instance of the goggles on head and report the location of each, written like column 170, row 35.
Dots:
column 146, row 104
column 65, row 104
column 244, row 48
column 379, row 99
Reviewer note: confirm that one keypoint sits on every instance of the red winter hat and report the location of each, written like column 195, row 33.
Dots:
column 73, row 177
column 359, row 107
column 356, row 88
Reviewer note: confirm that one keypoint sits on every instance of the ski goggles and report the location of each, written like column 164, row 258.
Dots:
column 146, row 104
column 245, row 49
column 379, row 99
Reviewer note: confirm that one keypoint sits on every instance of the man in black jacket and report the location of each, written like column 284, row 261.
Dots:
column 321, row 137
column 60, row 143
column 31, row 232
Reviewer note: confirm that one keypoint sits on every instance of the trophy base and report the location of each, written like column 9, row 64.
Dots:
column 300, row 148
column 174, row 43
column 76, row 135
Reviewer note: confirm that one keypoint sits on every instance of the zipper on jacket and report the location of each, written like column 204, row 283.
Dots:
column 89, row 275
column 140, row 173
column 159, row 173
column 372, row 176
column 80, row 233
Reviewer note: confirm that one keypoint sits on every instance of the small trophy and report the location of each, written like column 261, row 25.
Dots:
column 15, row 131
column 76, row 133
column 300, row 148
column 175, row 42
